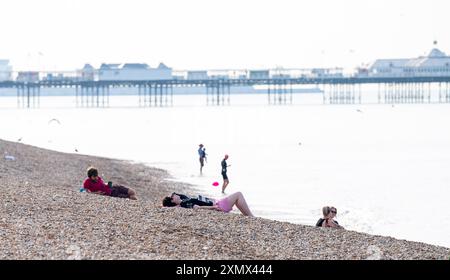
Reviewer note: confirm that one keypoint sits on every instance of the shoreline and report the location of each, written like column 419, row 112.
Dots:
column 44, row 216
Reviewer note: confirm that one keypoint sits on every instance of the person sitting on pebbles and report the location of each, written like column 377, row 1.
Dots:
column 225, row 204
column 329, row 212
column 95, row 184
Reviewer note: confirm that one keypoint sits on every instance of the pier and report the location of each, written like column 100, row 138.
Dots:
column 28, row 95
column 279, row 91
column 217, row 92
column 91, row 95
column 159, row 93
column 155, row 94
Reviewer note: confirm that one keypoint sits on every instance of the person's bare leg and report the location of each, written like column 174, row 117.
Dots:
column 132, row 194
column 239, row 200
column 224, row 186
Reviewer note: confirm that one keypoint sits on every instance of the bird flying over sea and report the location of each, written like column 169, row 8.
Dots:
column 54, row 120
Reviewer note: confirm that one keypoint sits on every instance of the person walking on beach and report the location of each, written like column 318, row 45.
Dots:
column 94, row 184
column 225, row 204
column 224, row 173
column 329, row 213
column 202, row 156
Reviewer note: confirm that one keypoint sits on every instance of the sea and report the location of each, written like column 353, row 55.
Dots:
column 385, row 167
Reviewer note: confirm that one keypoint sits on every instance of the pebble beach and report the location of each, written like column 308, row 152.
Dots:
column 44, row 216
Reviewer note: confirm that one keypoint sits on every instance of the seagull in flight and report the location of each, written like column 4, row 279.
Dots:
column 54, row 120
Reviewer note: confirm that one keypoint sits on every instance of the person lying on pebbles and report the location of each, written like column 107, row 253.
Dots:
column 225, row 204
column 329, row 212
column 95, row 184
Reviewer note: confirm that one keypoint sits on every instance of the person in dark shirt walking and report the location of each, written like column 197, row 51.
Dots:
column 224, row 174
column 202, row 156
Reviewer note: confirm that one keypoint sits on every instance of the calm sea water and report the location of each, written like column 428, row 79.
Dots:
column 384, row 167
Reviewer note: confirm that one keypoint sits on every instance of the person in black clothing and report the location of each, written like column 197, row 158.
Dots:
column 225, row 204
column 202, row 156
column 224, row 173
column 328, row 215
column 186, row 201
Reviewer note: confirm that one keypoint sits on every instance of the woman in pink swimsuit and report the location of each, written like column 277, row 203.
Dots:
column 225, row 204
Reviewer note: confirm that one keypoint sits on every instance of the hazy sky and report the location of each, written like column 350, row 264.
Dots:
column 217, row 34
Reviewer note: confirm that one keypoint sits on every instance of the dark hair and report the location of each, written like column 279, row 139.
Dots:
column 92, row 171
column 167, row 202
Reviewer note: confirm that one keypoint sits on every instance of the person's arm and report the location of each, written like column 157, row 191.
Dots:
column 333, row 224
column 86, row 187
column 96, row 192
column 214, row 207
column 182, row 196
column 336, row 225
column 330, row 223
